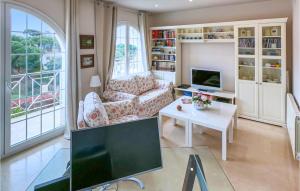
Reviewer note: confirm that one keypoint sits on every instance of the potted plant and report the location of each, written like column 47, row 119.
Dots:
column 201, row 101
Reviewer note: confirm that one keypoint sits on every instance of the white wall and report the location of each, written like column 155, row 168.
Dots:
column 296, row 50
column 209, row 56
column 87, row 27
column 258, row 10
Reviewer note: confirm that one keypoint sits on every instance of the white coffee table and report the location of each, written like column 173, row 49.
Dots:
column 219, row 116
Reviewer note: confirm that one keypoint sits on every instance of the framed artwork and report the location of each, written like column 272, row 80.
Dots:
column 87, row 42
column 87, row 61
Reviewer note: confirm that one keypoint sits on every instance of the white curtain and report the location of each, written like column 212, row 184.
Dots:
column 143, row 22
column 73, row 90
column 106, row 27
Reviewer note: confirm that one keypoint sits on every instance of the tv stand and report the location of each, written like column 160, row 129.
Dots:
column 222, row 96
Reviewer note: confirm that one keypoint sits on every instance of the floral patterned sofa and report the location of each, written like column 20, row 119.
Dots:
column 93, row 113
column 152, row 94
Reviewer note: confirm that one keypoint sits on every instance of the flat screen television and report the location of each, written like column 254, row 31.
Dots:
column 103, row 155
column 206, row 79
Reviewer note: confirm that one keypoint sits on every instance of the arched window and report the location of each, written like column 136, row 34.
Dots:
column 128, row 55
column 35, row 76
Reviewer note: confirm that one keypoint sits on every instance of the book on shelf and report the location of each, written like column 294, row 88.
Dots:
column 156, row 34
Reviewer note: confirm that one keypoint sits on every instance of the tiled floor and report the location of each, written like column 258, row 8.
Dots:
column 259, row 159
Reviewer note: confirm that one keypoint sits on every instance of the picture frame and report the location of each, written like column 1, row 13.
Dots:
column 87, row 42
column 87, row 61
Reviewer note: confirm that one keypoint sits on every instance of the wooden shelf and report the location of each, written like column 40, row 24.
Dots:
column 246, row 37
column 246, row 56
column 164, row 39
column 153, row 53
column 163, row 61
column 248, row 66
column 271, row 36
column 164, row 47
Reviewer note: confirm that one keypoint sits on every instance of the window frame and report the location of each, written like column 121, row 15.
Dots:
column 6, row 7
column 127, row 42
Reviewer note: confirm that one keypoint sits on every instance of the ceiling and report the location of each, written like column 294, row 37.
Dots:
column 176, row 5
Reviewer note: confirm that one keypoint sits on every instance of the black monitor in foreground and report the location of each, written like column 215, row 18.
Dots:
column 106, row 154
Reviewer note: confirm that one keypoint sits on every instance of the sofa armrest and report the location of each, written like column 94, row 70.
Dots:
column 121, row 108
column 111, row 95
column 161, row 84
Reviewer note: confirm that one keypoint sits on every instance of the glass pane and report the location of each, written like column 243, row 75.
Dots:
column 33, row 127
column 34, row 94
column 18, row 43
column 247, row 41
column 18, row 87
column 47, row 122
column 48, row 92
column 247, row 69
column 56, row 45
column 34, row 24
column 271, row 44
column 18, row 132
column 272, row 31
column 272, row 71
column 17, row 113
column 60, row 99
column 120, row 54
column 34, row 63
column 46, row 29
column 60, row 118
column 33, row 43
column 58, row 62
column 18, row 20
column 18, row 64
column 47, row 43
column 135, row 52
column 48, row 61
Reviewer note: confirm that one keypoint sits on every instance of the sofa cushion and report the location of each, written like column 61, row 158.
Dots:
column 80, row 119
column 94, row 111
column 154, row 100
column 124, row 119
column 127, row 85
column 152, row 94
column 121, row 108
column 145, row 82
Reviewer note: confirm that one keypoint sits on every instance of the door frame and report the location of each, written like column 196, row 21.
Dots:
column 2, row 92
column 5, row 148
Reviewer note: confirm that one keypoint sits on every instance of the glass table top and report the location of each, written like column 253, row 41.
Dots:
column 170, row 177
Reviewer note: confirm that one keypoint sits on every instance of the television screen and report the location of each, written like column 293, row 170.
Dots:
column 106, row 154
column 206, row 79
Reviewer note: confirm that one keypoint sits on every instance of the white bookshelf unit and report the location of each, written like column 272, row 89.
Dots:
column 260, row 57
column 261, row 71
column 164, row 54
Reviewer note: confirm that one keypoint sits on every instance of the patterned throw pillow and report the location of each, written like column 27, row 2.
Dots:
column 145, row 82
column 127, row 85
column 94, row 112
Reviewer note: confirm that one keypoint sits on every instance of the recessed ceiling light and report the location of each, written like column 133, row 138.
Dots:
column 190, row 0
column 156, row 5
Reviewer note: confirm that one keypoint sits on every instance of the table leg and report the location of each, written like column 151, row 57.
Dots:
column 235, row 120
column 191, row 134
column 160, row 125
column 187, row 134
column 230, row 129
column 174, row 122
column 224, row 144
